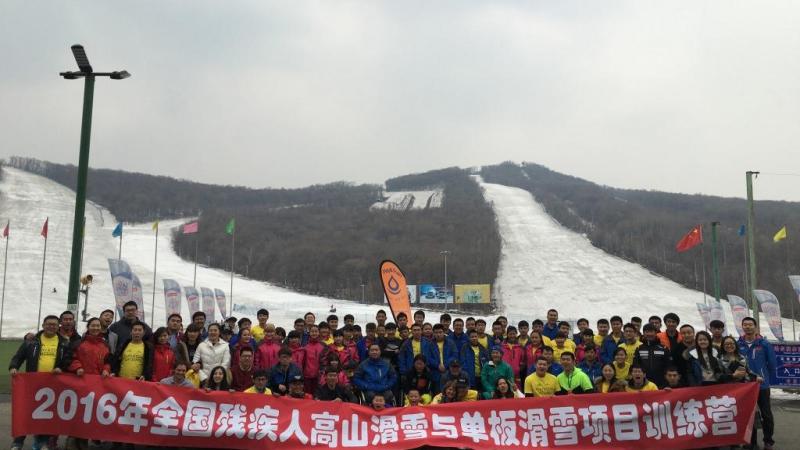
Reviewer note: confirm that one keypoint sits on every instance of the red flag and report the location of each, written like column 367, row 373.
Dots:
column 5, row 230
column 692, row 239
column 44, row 228
column 191, row 228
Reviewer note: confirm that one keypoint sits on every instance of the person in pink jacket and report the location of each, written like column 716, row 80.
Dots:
column 298, row 352
column 314, row 349
column 266, row 355
column 514, row 354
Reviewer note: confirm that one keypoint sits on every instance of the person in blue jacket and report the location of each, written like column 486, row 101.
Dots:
column 282, row 373
column 473, row 356
column 417, row 345
column 375, row 375
column 458, row 336
column 761, row 360
column 447, row 352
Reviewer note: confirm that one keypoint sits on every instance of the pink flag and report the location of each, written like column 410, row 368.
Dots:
column 5, row 230
column 44, row 228
column 191, row 228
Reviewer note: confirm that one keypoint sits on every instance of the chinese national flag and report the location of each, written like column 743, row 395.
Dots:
column 691, row 240
column 44, row 228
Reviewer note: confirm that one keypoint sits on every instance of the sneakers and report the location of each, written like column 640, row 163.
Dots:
column 16, row 447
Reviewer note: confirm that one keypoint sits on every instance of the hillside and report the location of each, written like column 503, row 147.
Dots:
column 323, row 240
column 644, row 226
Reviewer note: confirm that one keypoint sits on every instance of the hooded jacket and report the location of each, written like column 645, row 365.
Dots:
column 266, row 355
column 163, row 360
column 92, row 355
column 514, row 356
column 314, row 349
column 375, row 375
column 491, row 372
column 654, row 359
column 760, row 359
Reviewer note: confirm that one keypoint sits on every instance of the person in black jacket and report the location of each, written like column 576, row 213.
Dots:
column 122, row 327
column 653, row 357
column 134, row 357
column 332, row 391
column 47, row 352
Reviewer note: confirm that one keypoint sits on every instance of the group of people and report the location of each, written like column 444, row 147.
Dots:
column 403, row 363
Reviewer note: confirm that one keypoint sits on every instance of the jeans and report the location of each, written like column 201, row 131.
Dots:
column 39, row 441
column 767, row 422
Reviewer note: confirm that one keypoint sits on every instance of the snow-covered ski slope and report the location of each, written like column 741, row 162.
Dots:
column 27, row 199
column 544, row 265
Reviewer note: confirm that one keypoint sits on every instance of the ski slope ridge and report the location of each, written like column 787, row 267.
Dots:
column 27, row 199
column 544, row 265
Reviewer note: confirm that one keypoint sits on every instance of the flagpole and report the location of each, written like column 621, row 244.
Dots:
column 703, row 263
column 5, row 267
column 155, row 271
column 788, row 272
column 41, row 285
column 233, row 248
column 194, row 283
column 747, row 293
column 121, row 231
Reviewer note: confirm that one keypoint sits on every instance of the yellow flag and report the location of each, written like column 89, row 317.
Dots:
column 780, row 235
column 155, row 225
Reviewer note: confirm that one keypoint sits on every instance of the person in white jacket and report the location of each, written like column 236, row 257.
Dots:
column 211, row 353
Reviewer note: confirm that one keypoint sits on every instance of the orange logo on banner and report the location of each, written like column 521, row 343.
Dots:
column 395, row 288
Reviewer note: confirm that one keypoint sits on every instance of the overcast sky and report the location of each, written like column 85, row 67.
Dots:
column 676, row 96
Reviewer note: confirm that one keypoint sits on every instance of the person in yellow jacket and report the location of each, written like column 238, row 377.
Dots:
column 639, row 381
column 259, row 386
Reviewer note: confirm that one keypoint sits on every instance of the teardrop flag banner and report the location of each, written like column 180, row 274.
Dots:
column 739, row 310
column 772, row 309
column 395, row 289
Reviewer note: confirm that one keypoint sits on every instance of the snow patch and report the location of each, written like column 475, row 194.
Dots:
column 408, row 200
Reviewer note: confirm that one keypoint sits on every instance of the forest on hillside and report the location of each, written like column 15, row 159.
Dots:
column 644, row 227
column 332, row 250
column 322, row 239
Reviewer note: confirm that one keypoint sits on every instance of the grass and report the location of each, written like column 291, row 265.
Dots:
column 7, row 349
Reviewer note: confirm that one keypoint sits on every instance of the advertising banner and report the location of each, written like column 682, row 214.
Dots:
column 151, row 414
column 434, row 294
column 412, row 294
column 787, row 372
column 395, row 288
column 192, row 299
column 208, row 304
column 715, row 310
column 121, row 281
column 739, row 310
column 772, row 309
column 172, row 297
column 136, row 295
column 473, row 293
column 705, row 313
column 222, row 303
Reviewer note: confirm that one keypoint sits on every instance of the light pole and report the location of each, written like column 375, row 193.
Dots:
column 362, row 292
column 89, row 75
column 445, row 253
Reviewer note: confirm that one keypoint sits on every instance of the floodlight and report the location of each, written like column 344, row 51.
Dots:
column 81, row 58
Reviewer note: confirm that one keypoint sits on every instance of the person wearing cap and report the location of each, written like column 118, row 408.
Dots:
column 375, row 375
column 464, row 393
column 541, row 383
column 296, row 388
column 453, row 373
column 259, row 386
column 283, row 372
column 332, row 390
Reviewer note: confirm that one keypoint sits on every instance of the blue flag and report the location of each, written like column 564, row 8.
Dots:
column 742, row 230
column 117, row 230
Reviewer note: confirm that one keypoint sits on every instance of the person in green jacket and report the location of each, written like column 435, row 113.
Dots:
column 495, row 368
column 573, row 380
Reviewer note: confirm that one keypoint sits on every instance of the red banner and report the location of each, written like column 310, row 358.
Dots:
column 138, row 412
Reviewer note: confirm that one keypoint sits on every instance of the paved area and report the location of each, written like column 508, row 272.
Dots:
column 786, row 411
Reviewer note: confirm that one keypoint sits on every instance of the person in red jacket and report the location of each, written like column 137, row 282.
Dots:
column 298, row 352
column 343, row 352
column 514, row 354
column 163, row 357
column 91, row 354
column 314, row 349
column 267, row 352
